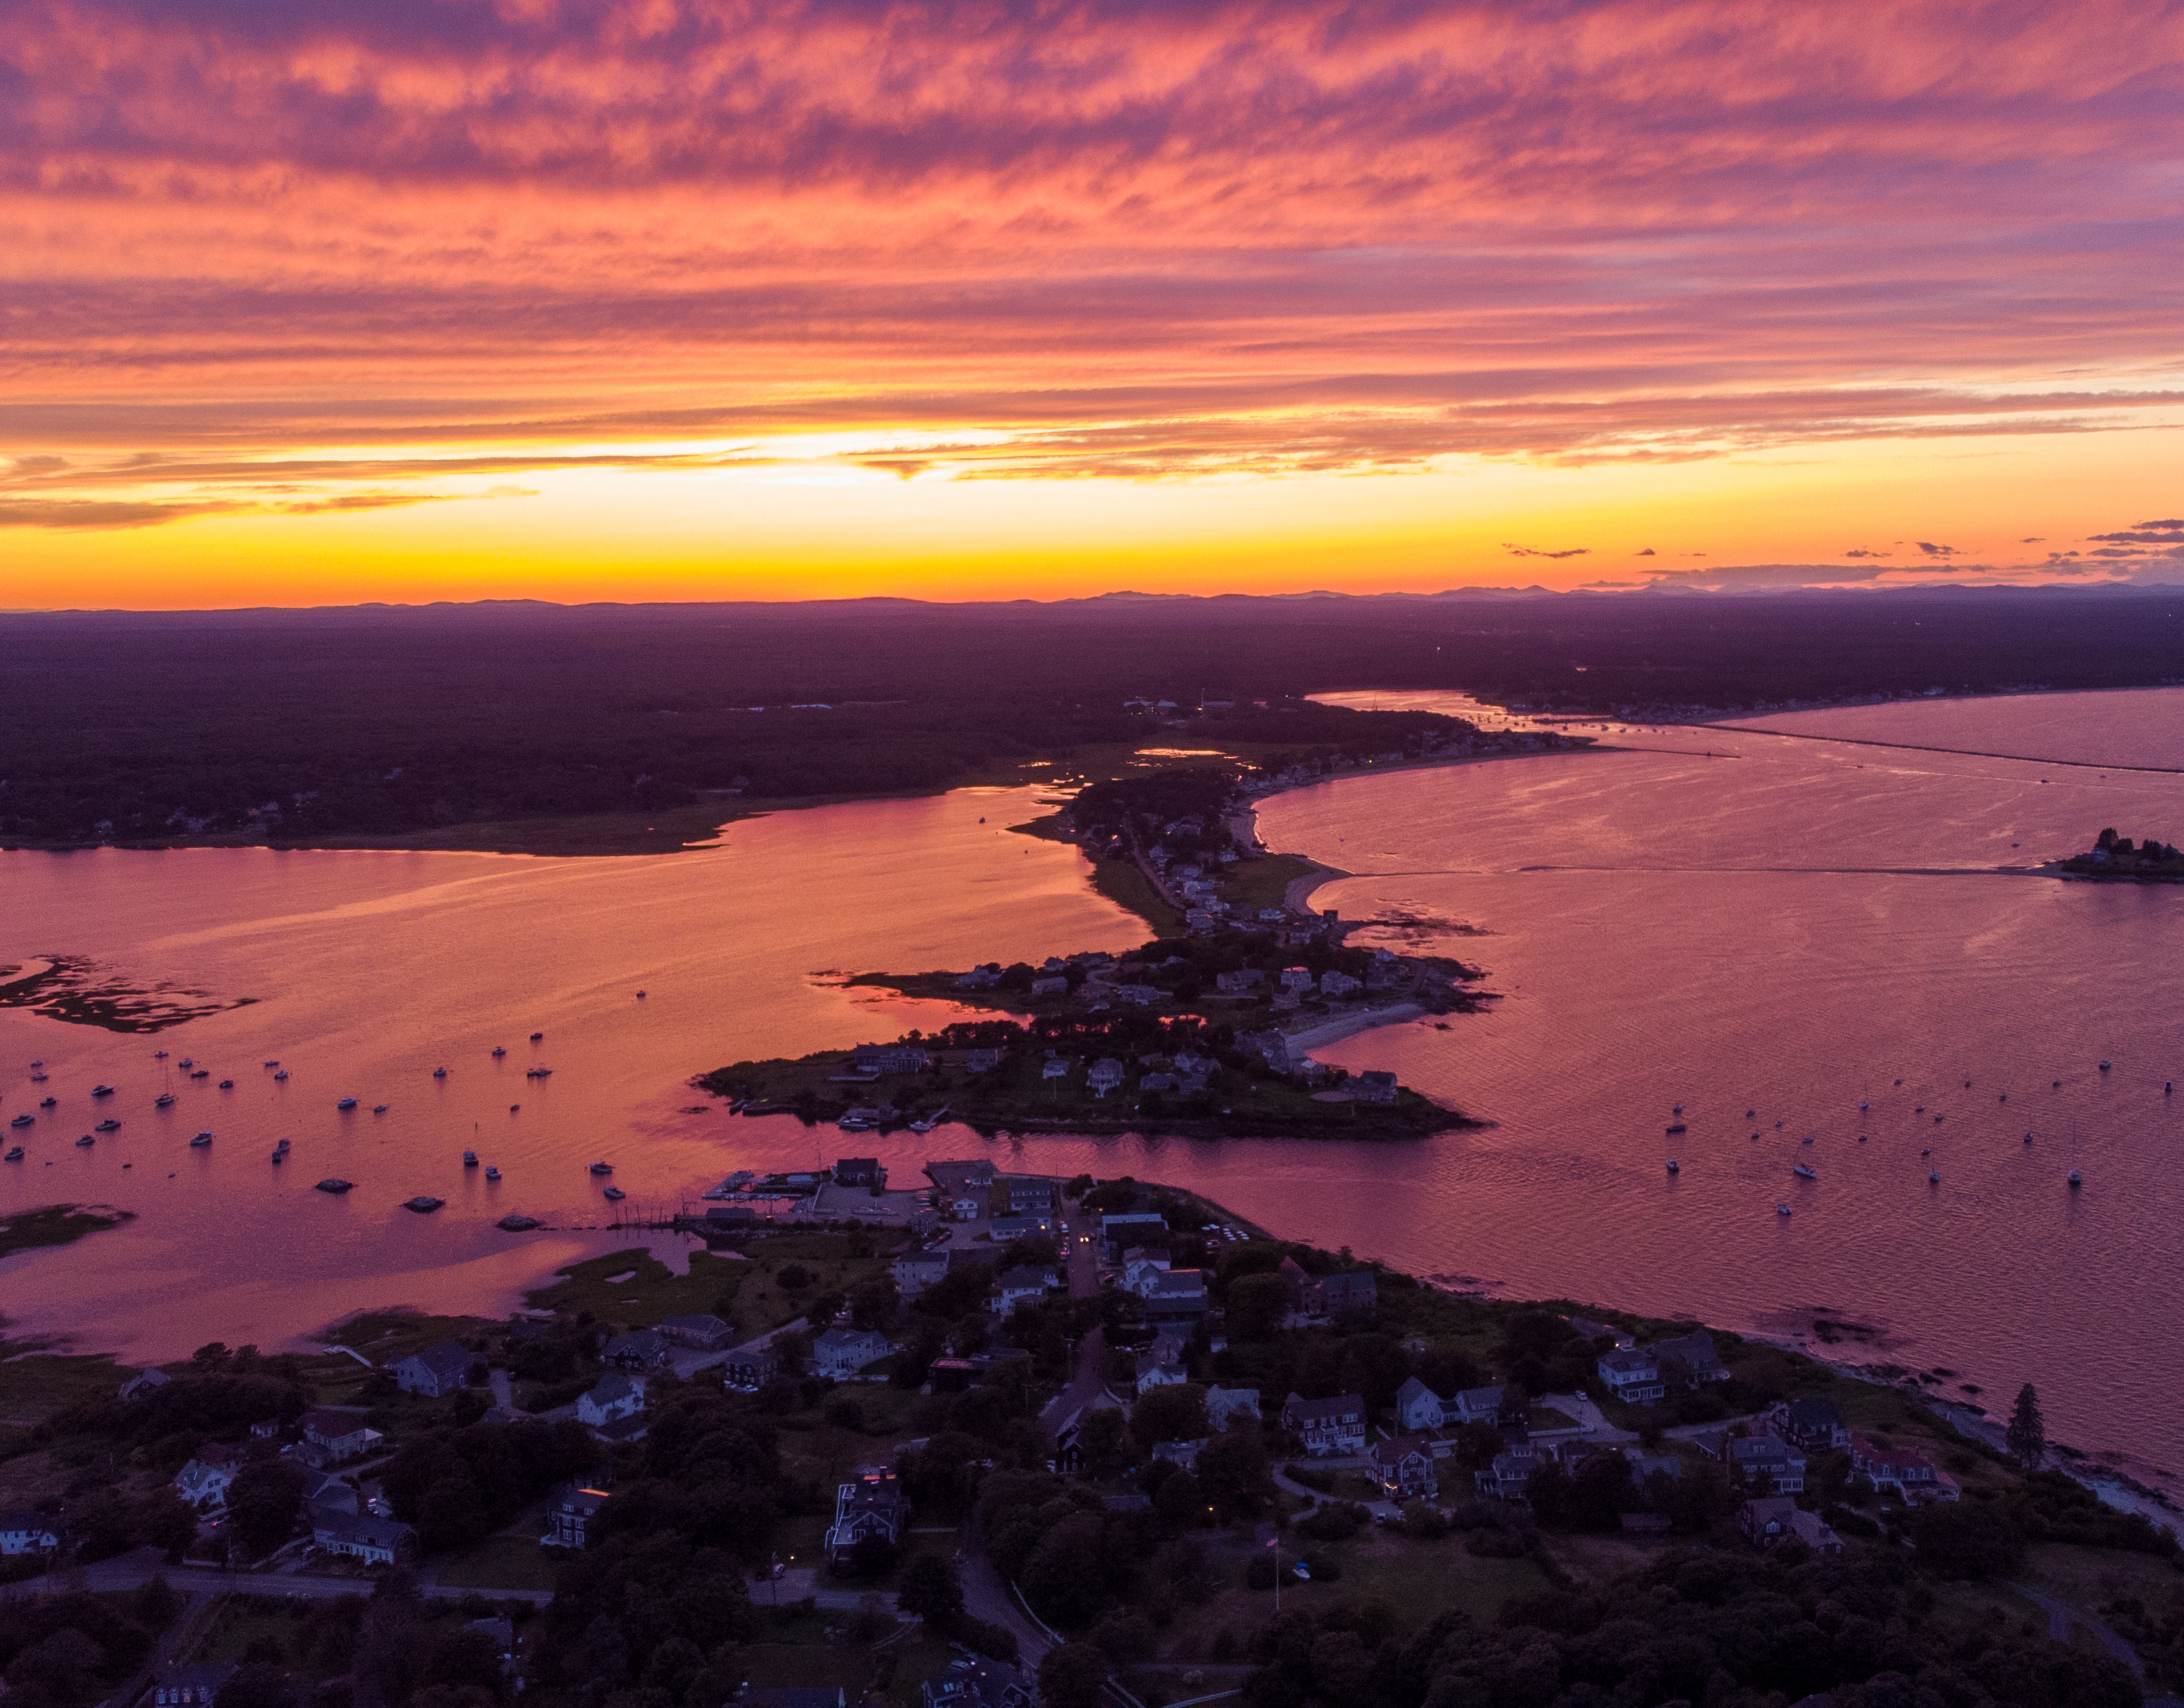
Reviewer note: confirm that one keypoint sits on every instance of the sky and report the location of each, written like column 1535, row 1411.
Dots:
column 413, row 300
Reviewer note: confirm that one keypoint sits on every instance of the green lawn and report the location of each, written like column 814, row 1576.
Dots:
column 501, row 1562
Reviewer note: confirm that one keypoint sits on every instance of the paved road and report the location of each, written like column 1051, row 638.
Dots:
column 134, row 1571
column 799, row 1582
column 986, row 1597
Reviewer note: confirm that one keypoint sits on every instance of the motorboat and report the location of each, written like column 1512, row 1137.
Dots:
column 602, row 1168
column 1781, row 1209
column 158, row 1055
column 24, row 1121
column 273, row 1062
column 1752, row 1114
column 14, row 1153
column 614, row 1195
column 500, row 1050
column 48, row 1102
column 199, row 1142
column 345, row 1103
column 2076, row 1179
column 1938, row 1119
column 2055, row 1086
column 640, row 996
column 1806, row 1140
column 85, row 1142
column 535, row 1073
column 282, row 1147
column 2104, row 1064
column 1676, row 1108
column 1678, row 1127
column 1861, row 1138
column 1933, row 1177
column 491, row 1173
column 1863, row 1104
column 469, row 1159
column 201, row 1073
column 37, row 1078
column 1806, row 1173
column 227, row 1085
column 423, row 1203
column 109, row 1125
column 283, row 1075
column 439, row 1073
column 1673, row 1169
column 334, row 1184
column 2003, row 1098
column 102, row 1090
column 188, row 1062
column 536, row 1036
column 163, row 1100
column 513, row 1107
column 2028, row 1138
column 379, row 1108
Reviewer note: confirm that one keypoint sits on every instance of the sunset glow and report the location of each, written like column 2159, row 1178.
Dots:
column 650, row 299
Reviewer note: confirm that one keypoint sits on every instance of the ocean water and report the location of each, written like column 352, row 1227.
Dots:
column 1727, row 919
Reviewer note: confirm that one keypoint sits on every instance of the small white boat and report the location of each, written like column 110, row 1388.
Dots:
column 2076, row 1179
column 2028, row 1138
column 2168, row 1087
column 1933, row 1177
column 513, row 1107
column 1781, row 1209
column 346, row 1104
column 1899, row 1082
column 1673, row 1169
column 158, row 1055
column 1861, row 1138
column 493, row 1174
column 1804, row 1173
column 614, row 1195
column 1863, row 1104
column 199, row 1142
column 201, row 1074
column 283, row 1146
column 107, row 1125
column 640, row 996
column 1806, row 1140
column 2056, row 1085
column 273, row 1062
column 2003, row 1098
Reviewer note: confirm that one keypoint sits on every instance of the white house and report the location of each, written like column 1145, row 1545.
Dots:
column 1417, row 1407
column 375, row 1541
column 1335, row 1426
column 1632, row 1376
column 27, row 1532
column 1296, row 978
column 436, row 1371
column 1106, row 1076
column 203, row 1481
column 1338, row 985
column 843, row 1351
column 1140, row 1264
column 1474, row 1405
column 1222, row 1403
column 145, row 1381
column 617, row 1396
column 1012, row 1287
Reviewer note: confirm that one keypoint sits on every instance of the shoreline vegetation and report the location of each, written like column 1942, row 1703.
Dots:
column 57, row 1224
column 1203, row 1032
column 2115, row 859
column 73, row 989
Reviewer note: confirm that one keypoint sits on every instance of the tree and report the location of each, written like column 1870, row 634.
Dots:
column 1967, row 1539
column 2028, row 1429
column 1258, row 1305
column 932, row 1590
column 872, row 1305
column 1072, row 1675
column 1234, row 1471
column 1173, row 1412
column 262, row 1504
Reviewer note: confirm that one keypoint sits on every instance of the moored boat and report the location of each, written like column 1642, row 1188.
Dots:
column 163, row 1100
column 602, row 1168
column 423, row 1203
column 14, row 1153
column 199, row 1142
column 1805, row 1172
column 516, row 1224
column 469, row 1159
column 2076, row 1179
column 493, row 1174
column 1673, row 1169
column 102, row 1090
column 24, row 1121
column 614, row 1195
column 334, row 1184
column 107, row 1126
column 345, row 1103
column 85, row 1141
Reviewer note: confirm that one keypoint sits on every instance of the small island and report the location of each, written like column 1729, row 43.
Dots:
column 2118, row 859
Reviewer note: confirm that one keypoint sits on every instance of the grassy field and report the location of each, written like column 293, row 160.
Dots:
column 1264, row 882
column 1122, row 883
column 510, row 1560
column 388, row 1337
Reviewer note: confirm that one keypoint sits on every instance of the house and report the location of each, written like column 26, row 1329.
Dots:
column 1141, row 1265
column 1296, row 978
column 1632, row 1376
column 961, row 1190
column 915, row 1272
column 615, row 1398
column 326, row 1495
column 1899, row 1470
column 191, row 1687
column 1405, row 1467
column 1769, row 1462
column 870, row 1504
column 1688, row 1361
column 843, row 1351
column 1509, row 1478
column 1005, row 1230
column 1012, row 1287
column 981, row 1061
column 1051, row 986
column 1239, row 983
column 1776, row 1519
column 876, row 1059
column 1373, row 1085
column 1030, row 1198
column 1814, row 1424
column 1339, row 985
column 860, row 1171
column 1139, row 995
column 203, row 1481
column 1180, row 1453
column 1594, row 1330
column 1106, row 1075
column 1645, row 1465
column 331, row 1437
column 1354, row 1293
column 1175, row 1293
column 1327, row 1426
column 949, row 1375
column 975, row 1683
column 568, row 1520
column 265, row 1429
column 643, row 1348
column 1056, row 1068
column 705, row 1332
column 145, row 1381
column 749, row 1368
column 27, row 1532
column 1474, row 1405
column 1118, row 1233
column 1417, row 1407
column 1159, row 1368
column 436, row 1371
column 1222, row 1403
column 375, row 1541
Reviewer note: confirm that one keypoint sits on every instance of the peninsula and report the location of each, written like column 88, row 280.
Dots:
column 2117, row 859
